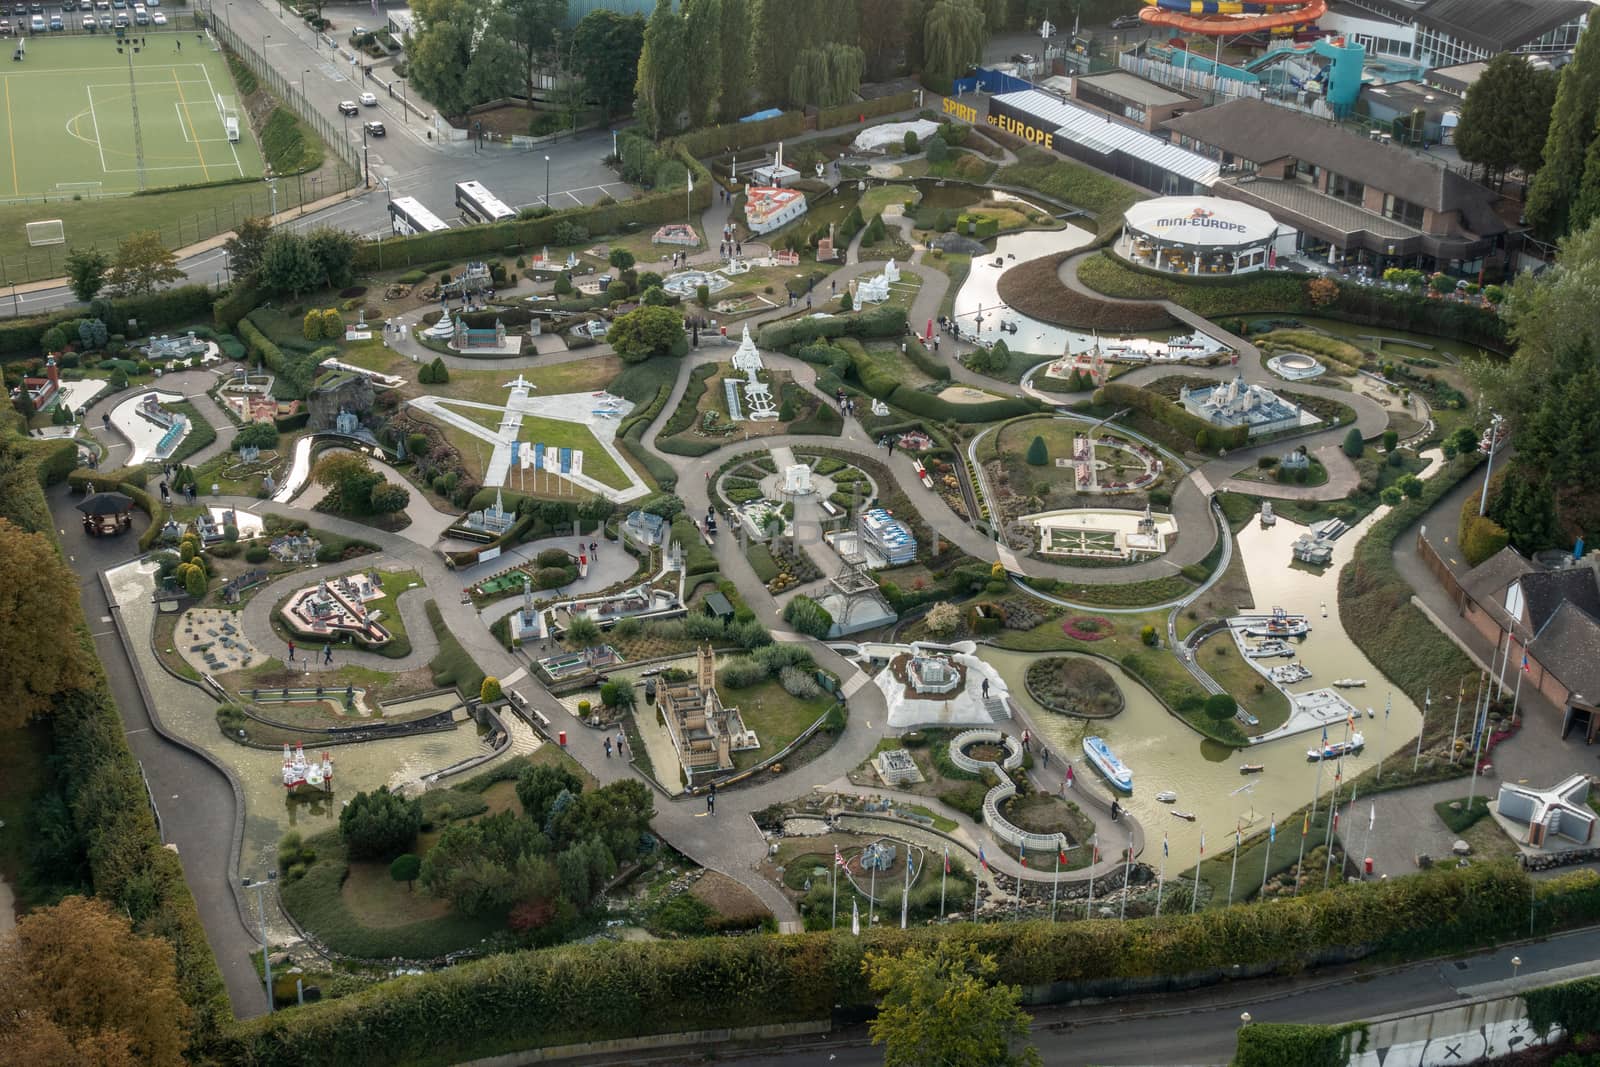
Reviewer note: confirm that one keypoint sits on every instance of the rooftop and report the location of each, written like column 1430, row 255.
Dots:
column 1091, row 130
column 1260, row 132
column 1546, row 592
column 1134, row 88
column 1487, row 582
column 1336, row 215
column 1569, row 647
column 1502, row 25
column 1408, row 95
column 1457, row 78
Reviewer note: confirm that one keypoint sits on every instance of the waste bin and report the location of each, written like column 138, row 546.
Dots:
column 1368, row 865
column 561, row 739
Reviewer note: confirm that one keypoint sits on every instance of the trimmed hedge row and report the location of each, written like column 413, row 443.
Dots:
column 181, row 306
column 630, row 434
column 1165, row 411
column 604, row 992
column 845, row 114
column 1301, row 1044
column 799, row 329
column 881, row 382
column 242, row 298
column 467, row 241
column 259, row 346
column 715, row 140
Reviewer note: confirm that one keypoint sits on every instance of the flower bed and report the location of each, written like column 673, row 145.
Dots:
column 1088, row 628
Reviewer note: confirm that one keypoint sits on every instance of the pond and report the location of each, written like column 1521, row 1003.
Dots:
column 1164, row 754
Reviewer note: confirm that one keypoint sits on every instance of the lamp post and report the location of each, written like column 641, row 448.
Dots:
column 366, row 166
column 265, row 37
column 405, row 109
column 1494, row 436
column 303, row 74
column 1516, row 965
column 261, row 926
column 547, row 182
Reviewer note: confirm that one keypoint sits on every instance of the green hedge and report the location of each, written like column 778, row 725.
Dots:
column 259, row 346
column 715, row 140
column 182, row 306
column 242, row 298
column 683, row 415
column 799, row 329
column 610, row 991
column 845, row 114
column 1169, row 413
column 1303, row 1045
column 881, row 382
column 697, row 557
column 1573, row 1006
column 688, row 446
column 469, row 241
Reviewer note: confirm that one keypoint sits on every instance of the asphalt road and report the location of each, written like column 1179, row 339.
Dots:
column 1201, row 1028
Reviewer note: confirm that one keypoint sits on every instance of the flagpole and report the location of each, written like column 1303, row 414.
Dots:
column 1327, row 868
column 1094, row 857
column 1272, row 835
column 1017, row 905
column 1455, row 730
column 1372, row 820
column 943, row 875
column 1427, row 703
column 1316, row 792
column 1161, row 879
column 1388, row 704
column 833, row 918
column 1516, row 694
column 1127, row 872
column 1234, row 872
column 905, row 891
column 872, row 895
column 977, row 887
column 1055, row 888
column 1194, row 897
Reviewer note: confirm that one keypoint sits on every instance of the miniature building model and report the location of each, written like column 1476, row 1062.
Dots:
column 889, row 537
column 896, row 767
column 41, row 391
column 1238, row 403
column 705, row 733
column 766, row 207
column 1562, row 810
column 932, row 674
column 645, row 529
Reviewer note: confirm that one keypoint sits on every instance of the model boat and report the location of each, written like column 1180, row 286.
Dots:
column 1269, row 649
column 1371, row 714
column 1336, row 749
column 1252, row 768
column 1186, row 816
column 1167, row 796
column 1108, row 764
column 1289, row 673
column 1281, row 624
column 1349, row 683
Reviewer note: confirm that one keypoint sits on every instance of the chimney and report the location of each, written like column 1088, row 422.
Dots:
column 51, row 370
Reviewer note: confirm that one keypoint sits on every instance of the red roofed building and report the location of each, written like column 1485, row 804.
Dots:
column 41, row 391
column 766, row 207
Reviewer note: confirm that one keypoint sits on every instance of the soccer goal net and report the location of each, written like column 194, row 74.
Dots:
column 47, row 232
column 228, row 111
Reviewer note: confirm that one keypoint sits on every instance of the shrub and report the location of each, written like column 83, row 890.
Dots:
column 379, row 824
column 489, row 692
column 743, row 672
column 1221, row 706
column 808, row 617
column 257, row 554
column 911, row 143
column 1038, row 454
column 1353, row 445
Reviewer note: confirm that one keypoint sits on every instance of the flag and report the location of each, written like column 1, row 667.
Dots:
column 983, row 861
column 1324, row 735
column 1236, row 841
column 691, row 173
column 1024, row 855
column 947, row 861
column 1061, row 855
column 1202, row 842
column 1372, row 817
column 1272, row 831
column 1164, row 850
column 1525, row 666
column 838, row 860
column 855, row 917
column 1335, row 818
column 1305, row 827
column 1095, row 841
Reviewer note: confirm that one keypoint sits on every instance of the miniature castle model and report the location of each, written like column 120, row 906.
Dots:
column 932, row 673
column 41, row 392
column 767, row 207
column 747, row 360
column 1237, row 403
column 493, row 519
column 705, row 733
column 299, row 771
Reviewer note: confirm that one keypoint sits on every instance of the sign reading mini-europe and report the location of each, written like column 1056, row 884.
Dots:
column 1043, row 138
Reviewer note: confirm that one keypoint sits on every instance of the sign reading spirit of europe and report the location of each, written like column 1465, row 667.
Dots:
column 964, row 112
column 1042, row 138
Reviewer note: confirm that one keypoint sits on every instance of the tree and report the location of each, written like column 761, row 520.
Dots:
column 702, row 33
column 937, row 150
column 86, row 272
column 489, row 692
column 605, row 52
column 621, row 258
column 332, row 324
column 1465, row 439
column 912, row 145
column 953, row 38
column 946, row 999
column 1038, row 454
column 334, row 252
column 1221, row 706
column 943, row 618
column 808, row 617
column 78, row 986
column 462, row 53
column 539, row 785
column 646, row 332
column 349, row 480
column 92, row 334
column 379, row 824
column 1353, row 445
column 311, row 325
column 1555, row 188
column 883, row 36
column 1506, row 116
column 43, row 654
column 247, row 245
column 387, row 497
column 734, row 62
column 582, row 632
column 618, row 695
column 1322, row 291
column 1391, row 439
column 405, row 868
column 531, row 26
column 142, row 265
column 1390, row 496
column 663, row 80
column 287, row 265
column 1410, row 485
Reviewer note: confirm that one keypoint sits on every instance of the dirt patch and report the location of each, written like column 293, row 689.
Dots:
column 965, row 394
column 1041, row 813
column 383, row 903
column 729, row 899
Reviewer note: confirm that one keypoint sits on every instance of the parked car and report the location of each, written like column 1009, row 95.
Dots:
column 56, row 25
column 349, row 107
column 369, row 100
column 90, row 24
column 121, row 20
column 1125, row 22
column 375, row 129
column 158, row 18
column 1022, row 57
column 85, row 5
column 19, row 9
column 102, row 5
column 5, row 27
column 36, row 23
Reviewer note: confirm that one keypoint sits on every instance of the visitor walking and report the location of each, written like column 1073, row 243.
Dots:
column 891, row 452
column 327, row 654
column 1046, row 753
column 608, row 748
column 986, row 689
column 594, row 550
column 619, row 742
column 291, row 651
column 711, row 803
column 1024, row 740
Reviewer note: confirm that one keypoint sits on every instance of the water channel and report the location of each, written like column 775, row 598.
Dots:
column 1164, row 753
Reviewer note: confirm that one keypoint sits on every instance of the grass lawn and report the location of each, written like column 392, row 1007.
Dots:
column 775, row 716
column 397, row 647
column 889, row 358
column 1461, row 820
column 489, row 386
column 1216, row 869
column 452, row 666
column 1010, row 445
column 1220, row 658
column 940, row 823
column 874, row 200
column 1226, row 598
column 597, row 462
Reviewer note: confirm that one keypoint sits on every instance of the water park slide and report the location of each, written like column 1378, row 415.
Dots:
column 1215, row 18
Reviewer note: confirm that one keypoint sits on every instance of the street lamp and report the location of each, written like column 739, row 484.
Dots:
column 1516, row 965
column 1244, row 1018
column 303, row 74
column 547, row 182
column 405, row 109
column 261, row 926
column 366, row 167
column 265, row 37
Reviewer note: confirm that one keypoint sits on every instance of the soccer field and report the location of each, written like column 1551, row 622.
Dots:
column 67, row 116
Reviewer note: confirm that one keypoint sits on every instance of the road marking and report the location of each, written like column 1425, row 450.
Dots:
column 99, row 146
column 190, row 121
column 101, row 633
column 11, row 138
column 140, row 730
column 515, row 676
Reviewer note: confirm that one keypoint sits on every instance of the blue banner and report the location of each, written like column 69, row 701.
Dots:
column 516, row 447
column 538, row 457
column 566, row 461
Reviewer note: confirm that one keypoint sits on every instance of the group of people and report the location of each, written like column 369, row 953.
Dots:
column 327, row 654
column 847, row 404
